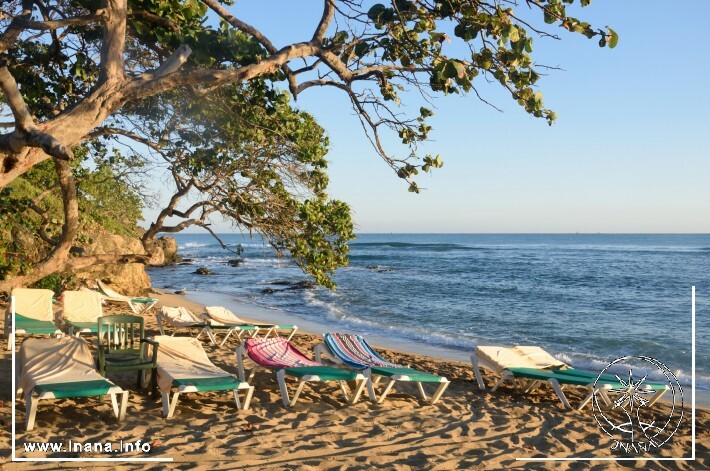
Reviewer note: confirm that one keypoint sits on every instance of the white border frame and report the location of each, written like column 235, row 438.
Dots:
column 14, row 400
column 692, row 410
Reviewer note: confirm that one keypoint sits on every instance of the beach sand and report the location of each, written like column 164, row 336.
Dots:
column 467, row 429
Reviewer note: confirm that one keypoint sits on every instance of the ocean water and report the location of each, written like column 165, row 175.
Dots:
column 588, row 299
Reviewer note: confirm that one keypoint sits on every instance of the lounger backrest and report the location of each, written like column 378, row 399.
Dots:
column 276, row 353
column 179, row 314
column 183, row 358
column 223, row 315
column 539, row 356
column 518, row 357
column 111, row 293
column 34, row 303
column 47, row 361
column 354, row 351
column 81, row 306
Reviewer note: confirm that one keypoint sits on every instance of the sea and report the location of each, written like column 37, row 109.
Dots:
column 588, row 299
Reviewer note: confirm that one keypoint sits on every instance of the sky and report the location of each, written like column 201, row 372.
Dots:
column 628, row 153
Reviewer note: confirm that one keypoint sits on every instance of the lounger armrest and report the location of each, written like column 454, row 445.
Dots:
column 155, row 345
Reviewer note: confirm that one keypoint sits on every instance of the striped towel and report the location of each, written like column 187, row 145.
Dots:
column 355, row 352
column 276, row 353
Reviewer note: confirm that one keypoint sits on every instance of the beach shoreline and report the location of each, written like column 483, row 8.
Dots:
column 468, row 428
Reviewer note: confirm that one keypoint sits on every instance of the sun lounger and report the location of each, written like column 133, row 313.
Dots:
column 32, row 309
column 137, row 305
column 62, row 368
column 355, row 352
column 277, row 354
column 529, row 367
column 81, row 311
column 182, row 318
column 497, row 359
column 219, row 316
column 183, row 364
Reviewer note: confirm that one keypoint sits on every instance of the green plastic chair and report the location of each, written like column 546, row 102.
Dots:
column 121, row 348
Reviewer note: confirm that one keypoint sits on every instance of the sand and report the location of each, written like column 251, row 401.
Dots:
column 467, row 429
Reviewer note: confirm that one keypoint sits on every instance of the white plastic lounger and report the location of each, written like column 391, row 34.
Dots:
column 62, row 368
column 81, row 311
column 354, row 352
column 182, row 318
column 183, row 364
column 137, row 305
column 277, row 354
column 530, row 367
column 33, row 313
column 220, row 316
column 497, row 359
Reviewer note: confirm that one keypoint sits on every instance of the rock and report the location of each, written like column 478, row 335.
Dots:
column 379, row 268
column 181, row 292
column 290, row 285
column 170, row 248
column 305, row 284
column 126, row 278
column 235, row 262
column 203, row 271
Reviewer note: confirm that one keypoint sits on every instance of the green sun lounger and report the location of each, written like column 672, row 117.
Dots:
column 33, row 313
column 354, row 352
column 62, row 368
column 533, row 378
column 81, row 311
column 184, row 366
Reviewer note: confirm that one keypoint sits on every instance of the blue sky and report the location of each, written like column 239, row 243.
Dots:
column 629, row 152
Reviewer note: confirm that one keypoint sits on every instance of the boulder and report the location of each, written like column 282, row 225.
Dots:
column 203, row 271
column 235, row 262
column 126, row 278
column 169, row 246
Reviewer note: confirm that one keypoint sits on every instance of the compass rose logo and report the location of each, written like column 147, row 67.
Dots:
column 623, row 404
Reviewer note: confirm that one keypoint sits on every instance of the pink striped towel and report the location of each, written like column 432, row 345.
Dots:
column 276, row 353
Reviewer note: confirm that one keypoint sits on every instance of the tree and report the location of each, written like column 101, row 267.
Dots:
column 82, row 64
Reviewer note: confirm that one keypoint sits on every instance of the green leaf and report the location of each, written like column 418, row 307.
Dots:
column 613, row 38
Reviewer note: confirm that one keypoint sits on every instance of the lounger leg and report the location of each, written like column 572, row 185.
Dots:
column 532, row 386
column 588, row 398
column 439, row 391
column 236, row 399
column 421, row 390
column 10, row 341
column 247, row 398
column 386, row 391
column 299, row 389
column 159, row 320
column 477, row 372
column 173, row 404
column 30, row 411
column 359, row 388
column 293, row 332
column 166, row 404
column 504, row 377
column 556, row 386
column 370, row 387
column 229, row 332
column 345, row 390
column 317, row 352
column 656, row 396
column 269, row 332
column 124, row 405
column 114, row 404
column 281, row 377
column 240, row 362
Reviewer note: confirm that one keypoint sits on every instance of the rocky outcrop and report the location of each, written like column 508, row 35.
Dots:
column 127, row 278
column 170, row 247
